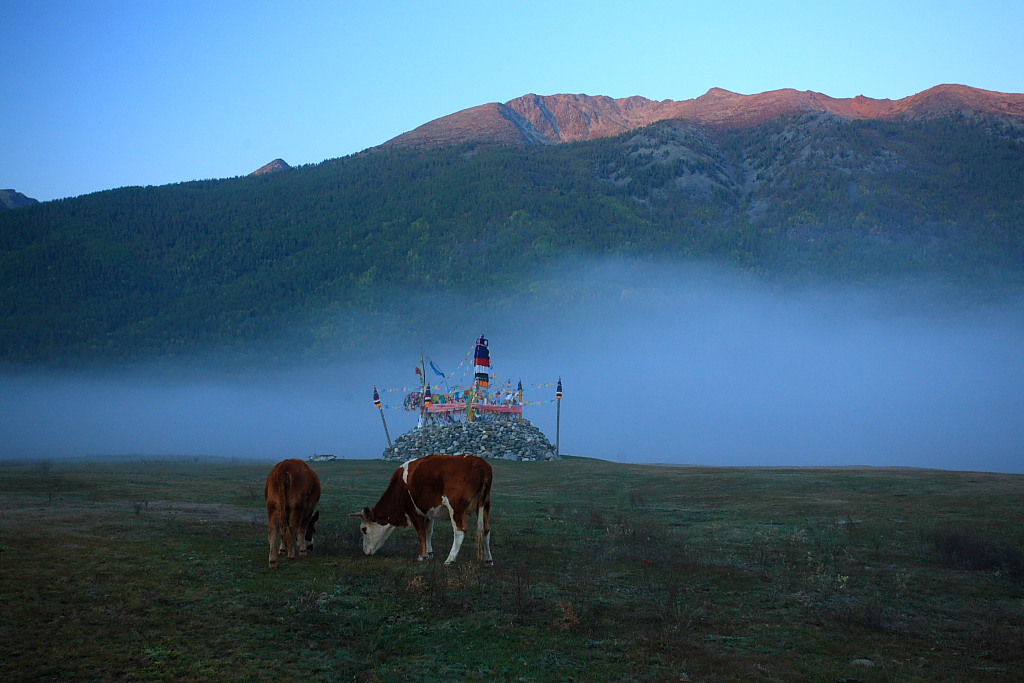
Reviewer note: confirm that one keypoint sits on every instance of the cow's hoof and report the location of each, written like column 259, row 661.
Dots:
column 489, row 563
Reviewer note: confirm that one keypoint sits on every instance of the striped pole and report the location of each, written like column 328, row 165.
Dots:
column 558, row 419
column 481, row 371
column 376, row 402
column 520, row 390
column 428, row 400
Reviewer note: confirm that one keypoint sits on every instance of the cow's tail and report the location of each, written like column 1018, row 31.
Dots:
column 483, row 518
column 286, row 485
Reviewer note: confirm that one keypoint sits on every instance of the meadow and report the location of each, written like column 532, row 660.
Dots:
column 156, row 570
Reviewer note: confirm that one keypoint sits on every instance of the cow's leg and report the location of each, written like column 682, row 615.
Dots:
column 430, row 539
column 458, row 529
column 302, row 540
column 420, row 524
column 272, row 536
column 483, row 535
column 290, row 525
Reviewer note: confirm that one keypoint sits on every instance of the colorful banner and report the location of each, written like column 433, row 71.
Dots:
column 482, row 363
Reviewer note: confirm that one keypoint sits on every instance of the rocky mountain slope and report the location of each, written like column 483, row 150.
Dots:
column 537, row 119
column 12, row 199
column 272, row 167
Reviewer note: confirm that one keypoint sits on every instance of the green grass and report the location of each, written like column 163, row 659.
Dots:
column 156, row 571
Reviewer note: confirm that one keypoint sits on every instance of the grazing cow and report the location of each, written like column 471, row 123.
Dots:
column 429, row 488
column 292, row 492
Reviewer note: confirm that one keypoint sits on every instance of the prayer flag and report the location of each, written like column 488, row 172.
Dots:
column 482, row 362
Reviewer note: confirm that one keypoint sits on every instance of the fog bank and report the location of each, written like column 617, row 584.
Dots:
column 658, row 364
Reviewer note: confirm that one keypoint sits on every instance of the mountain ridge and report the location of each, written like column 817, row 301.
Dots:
column 12, row 199
column 552, row 119
column 272, row 167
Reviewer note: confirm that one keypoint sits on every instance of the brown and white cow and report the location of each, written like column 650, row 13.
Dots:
column 292, row 492
column 429, row 488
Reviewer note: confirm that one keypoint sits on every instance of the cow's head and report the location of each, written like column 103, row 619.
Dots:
column 374, row 533
column 310, row 530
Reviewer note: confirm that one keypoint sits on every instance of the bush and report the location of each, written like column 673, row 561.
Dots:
column 968, row 548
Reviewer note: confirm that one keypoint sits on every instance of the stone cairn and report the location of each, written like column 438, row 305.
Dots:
column 489, row 439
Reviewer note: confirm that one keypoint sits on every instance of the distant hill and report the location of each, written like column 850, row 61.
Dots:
column 349, row 251
column 535, row 119
column 273, row 166
column 11, row 199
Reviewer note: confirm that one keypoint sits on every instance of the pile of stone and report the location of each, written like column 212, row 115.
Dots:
column 502, row 440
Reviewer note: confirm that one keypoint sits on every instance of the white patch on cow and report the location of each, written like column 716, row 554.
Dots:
column 374, row 535
column 456, row 544
column 405, row 471
column 458, row 534
column 442, row 511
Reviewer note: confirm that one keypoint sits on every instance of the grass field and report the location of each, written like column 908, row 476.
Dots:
column 135, row 570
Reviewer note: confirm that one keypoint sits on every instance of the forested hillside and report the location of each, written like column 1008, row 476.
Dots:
column 160, row 271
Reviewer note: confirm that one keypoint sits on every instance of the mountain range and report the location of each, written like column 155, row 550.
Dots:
column 484, row 208
column 537, row 119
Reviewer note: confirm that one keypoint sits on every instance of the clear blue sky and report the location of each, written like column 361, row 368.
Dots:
column 103, row 94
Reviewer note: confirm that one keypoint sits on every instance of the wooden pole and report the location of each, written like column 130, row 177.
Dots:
column 376, row 402
column 423, row 390
column 385, row 423
column 558, row 419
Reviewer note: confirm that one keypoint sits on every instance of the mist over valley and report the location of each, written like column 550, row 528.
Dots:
column 801, row 286
column 660, row 364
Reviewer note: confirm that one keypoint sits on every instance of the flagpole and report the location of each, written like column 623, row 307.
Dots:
column 558, row 419
column 376, row 402
column 423, row 393
column 520, row 390
column 481, row 371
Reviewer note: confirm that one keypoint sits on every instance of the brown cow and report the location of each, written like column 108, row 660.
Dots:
column 292, row 492
column 429, row 488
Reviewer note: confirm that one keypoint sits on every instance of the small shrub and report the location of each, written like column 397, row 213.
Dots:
column 967, row 548
column 637, row 500
column 521, row 582
column 863, row 612
column 567, row 618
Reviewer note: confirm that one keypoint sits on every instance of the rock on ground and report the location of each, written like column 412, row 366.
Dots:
column 502, row 440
